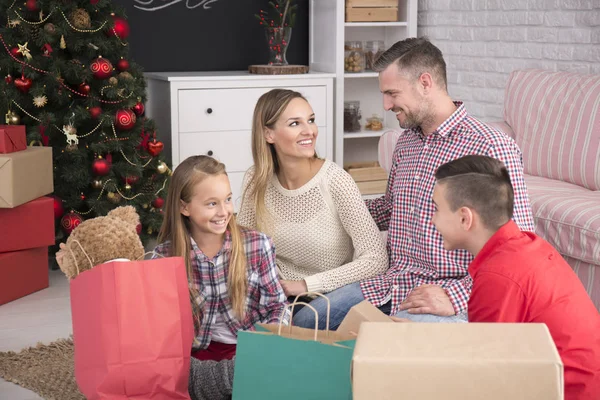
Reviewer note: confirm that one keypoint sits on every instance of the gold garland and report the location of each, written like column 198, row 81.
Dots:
column 92, row 208
column 123, row 154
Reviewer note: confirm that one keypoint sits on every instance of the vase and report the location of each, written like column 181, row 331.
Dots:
column 278, row 40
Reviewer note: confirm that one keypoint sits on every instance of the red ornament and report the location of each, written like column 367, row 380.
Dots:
column 47, row 50
column 130, row 179
column 70, row 221
column 138, row 228
column 154, row 148
column 94, row 2
column 122, row 65
column 23, row 84
column 138, row 109
column 101, row 68
column 95, row 112
column 84, row 88
column 59, row 210
column 100, row 167
column 82, row 196
column 158, row 202
column 8, row 79
column 31, row 5
column 121, row 28
column 15, row 52
column 125, row 119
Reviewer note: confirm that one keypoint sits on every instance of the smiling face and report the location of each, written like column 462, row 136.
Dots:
column 446, row 221
column 294, row 135
column 402, row 95
column 210, row 207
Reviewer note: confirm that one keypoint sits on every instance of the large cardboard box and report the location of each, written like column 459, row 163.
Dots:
column 473, row 361
column 27, row 226
column 22, row 273
column 12, row 138
column 25, row 175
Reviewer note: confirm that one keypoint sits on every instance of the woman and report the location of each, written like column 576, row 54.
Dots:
column 324, row 236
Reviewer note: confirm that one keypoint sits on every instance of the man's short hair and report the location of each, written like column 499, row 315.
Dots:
column 415, row 56
column 481, row 183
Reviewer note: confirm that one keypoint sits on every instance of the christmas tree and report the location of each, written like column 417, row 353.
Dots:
column 68, row 79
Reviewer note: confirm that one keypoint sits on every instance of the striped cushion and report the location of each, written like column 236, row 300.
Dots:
column 567, row 216
column 556, row 120
column 387, row 143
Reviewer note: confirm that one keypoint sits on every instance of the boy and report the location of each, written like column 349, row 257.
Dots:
column 517, row 276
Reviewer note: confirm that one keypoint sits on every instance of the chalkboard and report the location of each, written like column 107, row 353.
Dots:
column 205, row 35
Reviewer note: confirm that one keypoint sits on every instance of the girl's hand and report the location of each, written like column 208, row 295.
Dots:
column 293, row 288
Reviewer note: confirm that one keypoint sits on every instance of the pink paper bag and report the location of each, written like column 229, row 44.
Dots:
column 133, row 330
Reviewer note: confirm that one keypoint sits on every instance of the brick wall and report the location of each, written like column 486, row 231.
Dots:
column 484, row 40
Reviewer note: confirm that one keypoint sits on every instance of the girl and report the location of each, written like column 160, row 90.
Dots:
column 231, row 271
column 326, row 239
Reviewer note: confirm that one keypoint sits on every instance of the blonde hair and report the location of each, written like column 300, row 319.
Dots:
column 267, row 112
column 176, row 229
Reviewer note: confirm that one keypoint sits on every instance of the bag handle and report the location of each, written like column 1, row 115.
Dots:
column 75, row 259
column 292, row 305
column 149, row 252
column 328, row 308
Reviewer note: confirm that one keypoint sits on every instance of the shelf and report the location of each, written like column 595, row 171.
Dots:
column 363, row 134
column 361, row 75
column 372, row 24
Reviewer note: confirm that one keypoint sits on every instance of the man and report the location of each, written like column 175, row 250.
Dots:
column 517, row 276
column 425, row 282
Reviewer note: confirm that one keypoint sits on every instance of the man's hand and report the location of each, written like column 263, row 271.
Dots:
column 293, row 288
column 428, row 299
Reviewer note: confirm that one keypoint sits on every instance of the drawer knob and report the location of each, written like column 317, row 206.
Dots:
column 210, row 153
column 209, row 110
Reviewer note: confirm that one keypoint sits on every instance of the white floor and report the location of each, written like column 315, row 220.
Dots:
column 43, row 316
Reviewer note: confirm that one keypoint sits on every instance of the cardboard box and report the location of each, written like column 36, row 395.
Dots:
column 473, row 361
column 369, row 177
column 23, row 272
column 27, row 226
column 12, row 138
column 25, row 175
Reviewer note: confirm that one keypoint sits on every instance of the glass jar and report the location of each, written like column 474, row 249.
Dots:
column 354, row 57
column 373, row 49
column 375, row 123
column 352, row 116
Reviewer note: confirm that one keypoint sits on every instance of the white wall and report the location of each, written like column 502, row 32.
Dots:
column 484, row 40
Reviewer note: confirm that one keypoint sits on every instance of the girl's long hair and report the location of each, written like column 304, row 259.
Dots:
column 176, row 229
column 267, row 111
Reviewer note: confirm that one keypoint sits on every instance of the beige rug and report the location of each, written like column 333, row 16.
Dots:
column 48, row 370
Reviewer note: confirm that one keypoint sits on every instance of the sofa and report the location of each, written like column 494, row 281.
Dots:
column 554, row 117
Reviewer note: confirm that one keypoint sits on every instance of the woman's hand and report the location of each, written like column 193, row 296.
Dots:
column 293, row 288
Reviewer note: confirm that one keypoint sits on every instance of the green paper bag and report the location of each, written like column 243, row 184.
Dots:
column 284, row 362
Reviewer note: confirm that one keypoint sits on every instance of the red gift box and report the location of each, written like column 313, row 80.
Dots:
column 28, row 225
column 22, row 273
column 12, row 138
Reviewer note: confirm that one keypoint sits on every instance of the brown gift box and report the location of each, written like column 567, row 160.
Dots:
column 25, row 175
column 474, row 361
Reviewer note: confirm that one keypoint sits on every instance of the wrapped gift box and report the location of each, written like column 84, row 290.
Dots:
column 12, row 138
column 25, row 176
column 23, row 272
column 28, row 225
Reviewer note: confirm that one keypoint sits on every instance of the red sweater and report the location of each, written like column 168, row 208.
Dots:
column 519, row 277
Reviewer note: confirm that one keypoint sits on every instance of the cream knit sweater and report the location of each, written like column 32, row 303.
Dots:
column 323, row 232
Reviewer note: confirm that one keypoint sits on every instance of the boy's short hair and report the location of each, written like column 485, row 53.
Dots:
column 481, row 183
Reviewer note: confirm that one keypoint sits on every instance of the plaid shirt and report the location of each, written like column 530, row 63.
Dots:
column 416, row 251
column 266, row 299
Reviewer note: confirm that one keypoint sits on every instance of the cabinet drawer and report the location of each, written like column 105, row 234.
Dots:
column 234, row 149
column 232, row 109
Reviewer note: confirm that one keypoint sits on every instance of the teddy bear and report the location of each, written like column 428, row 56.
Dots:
column 101, row 239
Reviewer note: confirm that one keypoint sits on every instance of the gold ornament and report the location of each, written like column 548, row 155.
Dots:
column 127, row 186
column 12, row 118
column 150, row 231
column 24, row 50
column 97, row 184
column 125, row 75
column 113, row 81
column 113, row 197
column 145, row 206
column 63, row 44
column 162, row 167
column 13, row 23
column 40, row 101
column 81, row 19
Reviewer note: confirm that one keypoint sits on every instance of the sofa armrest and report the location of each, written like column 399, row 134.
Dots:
column 503, row 127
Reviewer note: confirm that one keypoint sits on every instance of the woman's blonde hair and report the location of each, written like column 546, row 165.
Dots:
column 176, row 229
column 267, row 112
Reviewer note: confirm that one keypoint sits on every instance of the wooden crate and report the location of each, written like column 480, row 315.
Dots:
column 372, row 187
column 369, row 177
column 371, row 10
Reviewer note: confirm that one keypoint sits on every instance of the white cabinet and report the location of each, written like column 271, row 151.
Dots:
column 328, row 34
column 211, row 113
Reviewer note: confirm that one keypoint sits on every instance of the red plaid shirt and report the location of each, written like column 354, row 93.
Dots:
column 266, row 299
column 416, row 251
